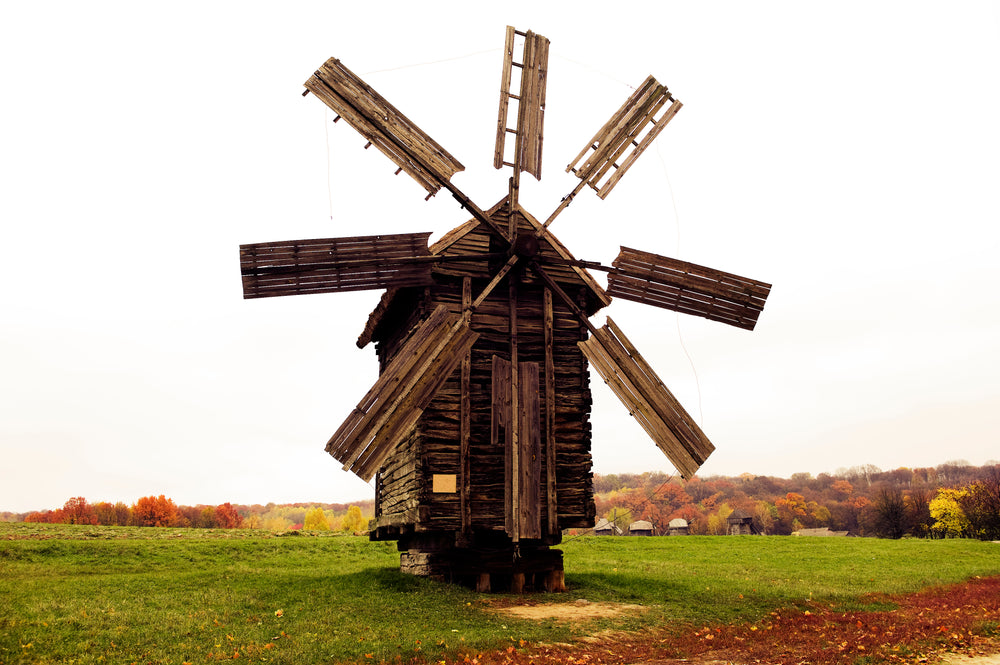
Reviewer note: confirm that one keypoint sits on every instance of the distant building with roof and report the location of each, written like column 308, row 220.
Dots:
column 606, row 528
column 741, row 524
column 640, row 528
column 678, row 527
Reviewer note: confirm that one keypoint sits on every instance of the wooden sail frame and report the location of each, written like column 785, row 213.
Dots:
column 528, row 134
column 328, row 265
column 616, row 146
column 687, row 287
column 648, row 400
column 388, row 412
column 383, row 125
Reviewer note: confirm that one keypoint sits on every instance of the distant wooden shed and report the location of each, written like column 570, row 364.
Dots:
column 606, row 528
column 741, row 524
column 678, row 527
column 640, row 528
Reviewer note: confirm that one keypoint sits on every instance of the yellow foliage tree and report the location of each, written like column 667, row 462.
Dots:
column 315, row 520
column 354, row 521
column 949, row 518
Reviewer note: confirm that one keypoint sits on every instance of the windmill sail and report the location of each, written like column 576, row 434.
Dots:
column 647, row 399
column 328, row 265
column 617, row 145
column 383, row 125
column 390, row 410
column 687, row 287
column 530, row 103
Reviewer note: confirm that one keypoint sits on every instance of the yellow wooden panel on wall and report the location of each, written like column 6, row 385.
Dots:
column 445, row 483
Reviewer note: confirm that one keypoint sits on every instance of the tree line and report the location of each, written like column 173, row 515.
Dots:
column 954, row 499
column 161, row 511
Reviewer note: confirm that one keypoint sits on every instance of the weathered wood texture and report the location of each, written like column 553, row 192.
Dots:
column 473, row 239
column 404, row 499
column 522, row 454
column 392, row 407
column 383, row 125
column 687, row 287
column 528, row 134
column 639, row 388
column 617, row 144
column 327, row 265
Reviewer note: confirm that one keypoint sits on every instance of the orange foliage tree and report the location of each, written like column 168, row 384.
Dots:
column 155, row 511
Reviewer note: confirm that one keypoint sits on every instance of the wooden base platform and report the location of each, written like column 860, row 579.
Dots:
column 511, row 568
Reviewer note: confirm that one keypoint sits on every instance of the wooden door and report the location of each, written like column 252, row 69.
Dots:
column 520, row 434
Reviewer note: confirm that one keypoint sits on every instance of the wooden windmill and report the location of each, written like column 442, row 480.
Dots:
column 477, row 430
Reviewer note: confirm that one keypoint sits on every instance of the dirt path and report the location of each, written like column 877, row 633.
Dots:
column 957, row 625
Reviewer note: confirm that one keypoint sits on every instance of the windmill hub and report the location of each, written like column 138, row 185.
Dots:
column 526, row 246
column 477, row 430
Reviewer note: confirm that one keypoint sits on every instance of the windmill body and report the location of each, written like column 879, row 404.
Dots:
column 448, row 485
column 477, row 431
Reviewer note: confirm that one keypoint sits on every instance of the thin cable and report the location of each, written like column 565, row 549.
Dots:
column 433, row 62
column 595, row 71
column 329, row 175
column 677, row 316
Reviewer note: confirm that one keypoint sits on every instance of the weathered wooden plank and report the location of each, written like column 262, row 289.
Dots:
column 531, row 106
column 465, row 427
column 508, row 60
column 650, row 136
column 412, row 352
column 391, row 407
column 405, row 412
column 501, row 424
column 529, row 453
column 620, row 135
column 551, row 495
column 687, row 287
column 327, row 265
column 383, row 125
column 640, row 389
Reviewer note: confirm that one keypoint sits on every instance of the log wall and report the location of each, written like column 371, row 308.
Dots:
column 404, row 495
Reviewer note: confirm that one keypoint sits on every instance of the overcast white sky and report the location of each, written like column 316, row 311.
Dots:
column 846, row 152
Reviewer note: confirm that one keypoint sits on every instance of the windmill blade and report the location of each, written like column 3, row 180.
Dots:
column 530, row 103
column 328, row 265
column 383, row 125
column 639, row 388
column 614, row 149
column 389, row 411
column 687, row 287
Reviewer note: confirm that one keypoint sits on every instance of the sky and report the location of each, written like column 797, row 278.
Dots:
column 846, row 153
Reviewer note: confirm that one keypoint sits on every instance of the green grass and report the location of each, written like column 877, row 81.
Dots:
column 122, row 595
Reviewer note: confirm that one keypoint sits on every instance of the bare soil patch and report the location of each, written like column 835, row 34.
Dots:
column 572, row 611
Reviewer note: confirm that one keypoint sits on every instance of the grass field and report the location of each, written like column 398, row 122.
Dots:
column 117, row 594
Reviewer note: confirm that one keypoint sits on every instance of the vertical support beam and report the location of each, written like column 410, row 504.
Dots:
column 529, row 453
column 515, row 487
column 552, row 503
column 465, row 425
column 500, row 431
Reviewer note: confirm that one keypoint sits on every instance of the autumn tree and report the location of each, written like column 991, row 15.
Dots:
column 155, row 511
column 354, row 521
column 226, row 517
column 890, row 512
column 949, row 518
column 981, row 505
column 315, row 520
column 918, row 507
